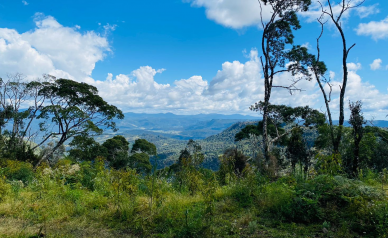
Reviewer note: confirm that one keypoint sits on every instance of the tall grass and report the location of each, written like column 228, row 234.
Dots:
column 89, row 200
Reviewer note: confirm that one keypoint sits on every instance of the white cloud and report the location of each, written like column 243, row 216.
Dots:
column 332, row 75
column 25, row 2
column 51, row 48
column 376, row 64
column 245, row 13
column 65, row 52
column 234, row 88
column 109, row 28
column 365, row 11
column 232, row 13
column 377, row 30
column 354, row 66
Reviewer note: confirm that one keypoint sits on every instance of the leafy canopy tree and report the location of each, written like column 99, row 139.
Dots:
column 281, row 115
column 140, row 162
column 74, row 109
column 142, row 145
column 277, row 34
column 85, row 148
column 117, row 151
column 140, row 158
column 257, row 130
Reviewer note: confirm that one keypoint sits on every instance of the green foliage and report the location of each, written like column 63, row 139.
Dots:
column 296, row 149
column 357, row 121
column 257, row 130
column 232, row 164
column 85, row 148
column 77, row 105
column 143, row 146
column 17, row 170
column 140, row 162
column 329, row 164
column 285, row 114
column 117, row 151
column 4, row 188
column 118, row 202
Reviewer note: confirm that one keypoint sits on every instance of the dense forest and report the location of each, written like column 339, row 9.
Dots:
column 294, row 173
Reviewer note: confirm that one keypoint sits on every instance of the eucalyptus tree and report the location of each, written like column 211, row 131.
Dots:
column 63, row 108
column 277, row 34
column 74, row 109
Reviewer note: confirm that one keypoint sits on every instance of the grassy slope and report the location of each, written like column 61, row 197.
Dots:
column 89, row 201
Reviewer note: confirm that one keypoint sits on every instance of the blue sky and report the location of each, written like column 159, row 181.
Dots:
column 191, row 56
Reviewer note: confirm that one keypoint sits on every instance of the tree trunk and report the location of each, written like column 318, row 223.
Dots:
column 343, row 89
column 327, row 109
column 265, row 123
column 47, row 156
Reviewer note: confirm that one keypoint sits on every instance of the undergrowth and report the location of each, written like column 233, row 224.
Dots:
column 89, row 200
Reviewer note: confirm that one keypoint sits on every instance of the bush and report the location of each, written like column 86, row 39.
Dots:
column 4, row 188
column 329, row 164
column 17, row 170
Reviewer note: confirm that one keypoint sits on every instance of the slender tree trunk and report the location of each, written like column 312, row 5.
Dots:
column 328, row 110
column 345, row 52
column 266, row 142
column 49, row 154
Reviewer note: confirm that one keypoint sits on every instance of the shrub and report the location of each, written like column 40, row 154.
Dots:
column 17, row 170
column 4, row 188
column 329, row 164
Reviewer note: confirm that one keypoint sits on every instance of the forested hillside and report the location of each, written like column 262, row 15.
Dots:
column 311, row 162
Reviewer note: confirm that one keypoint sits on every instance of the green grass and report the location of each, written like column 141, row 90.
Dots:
column 89, row 201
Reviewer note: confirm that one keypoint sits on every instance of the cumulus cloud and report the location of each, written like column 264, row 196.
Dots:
column 375, row 103
column 66, row 52
column 235, row 87
column 232, row 13
column 51, row 48
column 375, row 29
column 307, row 45
column 239, row 14
column 365, row 11
column 376, row 64
column 109, row 28
column 354, row 66
column 25, row 3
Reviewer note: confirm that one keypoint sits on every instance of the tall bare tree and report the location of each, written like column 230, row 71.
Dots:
column 336, row 19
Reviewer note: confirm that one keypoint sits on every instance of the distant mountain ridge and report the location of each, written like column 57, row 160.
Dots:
column 182, row 127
